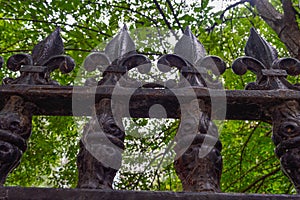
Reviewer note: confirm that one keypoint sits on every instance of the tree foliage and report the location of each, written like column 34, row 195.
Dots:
column 249, row 161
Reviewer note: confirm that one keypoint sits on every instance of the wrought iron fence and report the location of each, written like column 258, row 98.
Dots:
column 195, row 99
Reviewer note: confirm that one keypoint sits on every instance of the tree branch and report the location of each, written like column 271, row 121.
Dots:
column 261, row 179
column 246, row 143
column 289, row 11
column 284, row 25
column 165, row 19
column 162, row 14
column 54, row 22
column 133, row 11
column 267, row 11
column 210, row 29
column 248, row 171
column 175, row 16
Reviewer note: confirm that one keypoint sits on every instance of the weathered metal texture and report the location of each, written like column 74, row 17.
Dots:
column 99, row 162
column 190, row 59
column 271, row 74
column 100, row 149
column 34, row 93
column 286, row 137
column 57, row 100
column 119, row 57
column 200, row 165
column 262, row 59
column 15, row 129
column 199, row 162
column 35, row 68
column 17, row 110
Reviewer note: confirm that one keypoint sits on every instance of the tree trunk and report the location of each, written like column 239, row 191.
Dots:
column 285, row 25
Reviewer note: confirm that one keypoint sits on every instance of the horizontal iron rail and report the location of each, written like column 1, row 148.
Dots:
column 12, row 193
column 78, row 101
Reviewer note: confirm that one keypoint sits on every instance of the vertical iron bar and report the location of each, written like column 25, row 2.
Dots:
column 199, row 162
column 15, row 129
column 286, row 137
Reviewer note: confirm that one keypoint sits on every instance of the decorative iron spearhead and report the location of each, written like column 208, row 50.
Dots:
column 97, row 167
column 198, row 173
column 191, row 60
column 35, row 68
column 271, row 72
column 262, row 59
column 119, row 57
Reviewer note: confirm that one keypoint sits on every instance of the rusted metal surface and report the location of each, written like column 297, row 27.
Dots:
column 17, row 109
column 101, row 147
column 271, row 74
column 35, row 68
column 57, row 100
column 102, row 143
column 198, row 171
column 15, row 129
column 262, row 59
column 199, row 160
column 286, row 137
column 192, row 99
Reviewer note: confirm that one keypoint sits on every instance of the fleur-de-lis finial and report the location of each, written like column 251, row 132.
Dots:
column 118, row 58
column 197, row 173
column 46, row 56
column 262, row 59
column 191, row 60
column 189, row 47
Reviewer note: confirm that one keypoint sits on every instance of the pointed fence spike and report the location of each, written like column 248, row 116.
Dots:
column 47, row 48
column 258, row 48
column 189, row 47
column 120, row 45
column 45, row 58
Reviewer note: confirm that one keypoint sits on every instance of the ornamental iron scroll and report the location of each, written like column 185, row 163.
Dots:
column 101, row 148
column 200, row 166
column 271, row 72
column 262, row 59
column 198, row 162
column 102, row 144
column 115, row 62
column 15, row 129
column 198, row 149
column 286, row 137
column 35, row 68
column 15, row 117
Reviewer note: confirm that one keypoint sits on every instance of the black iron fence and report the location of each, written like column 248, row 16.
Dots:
column 196, row 99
